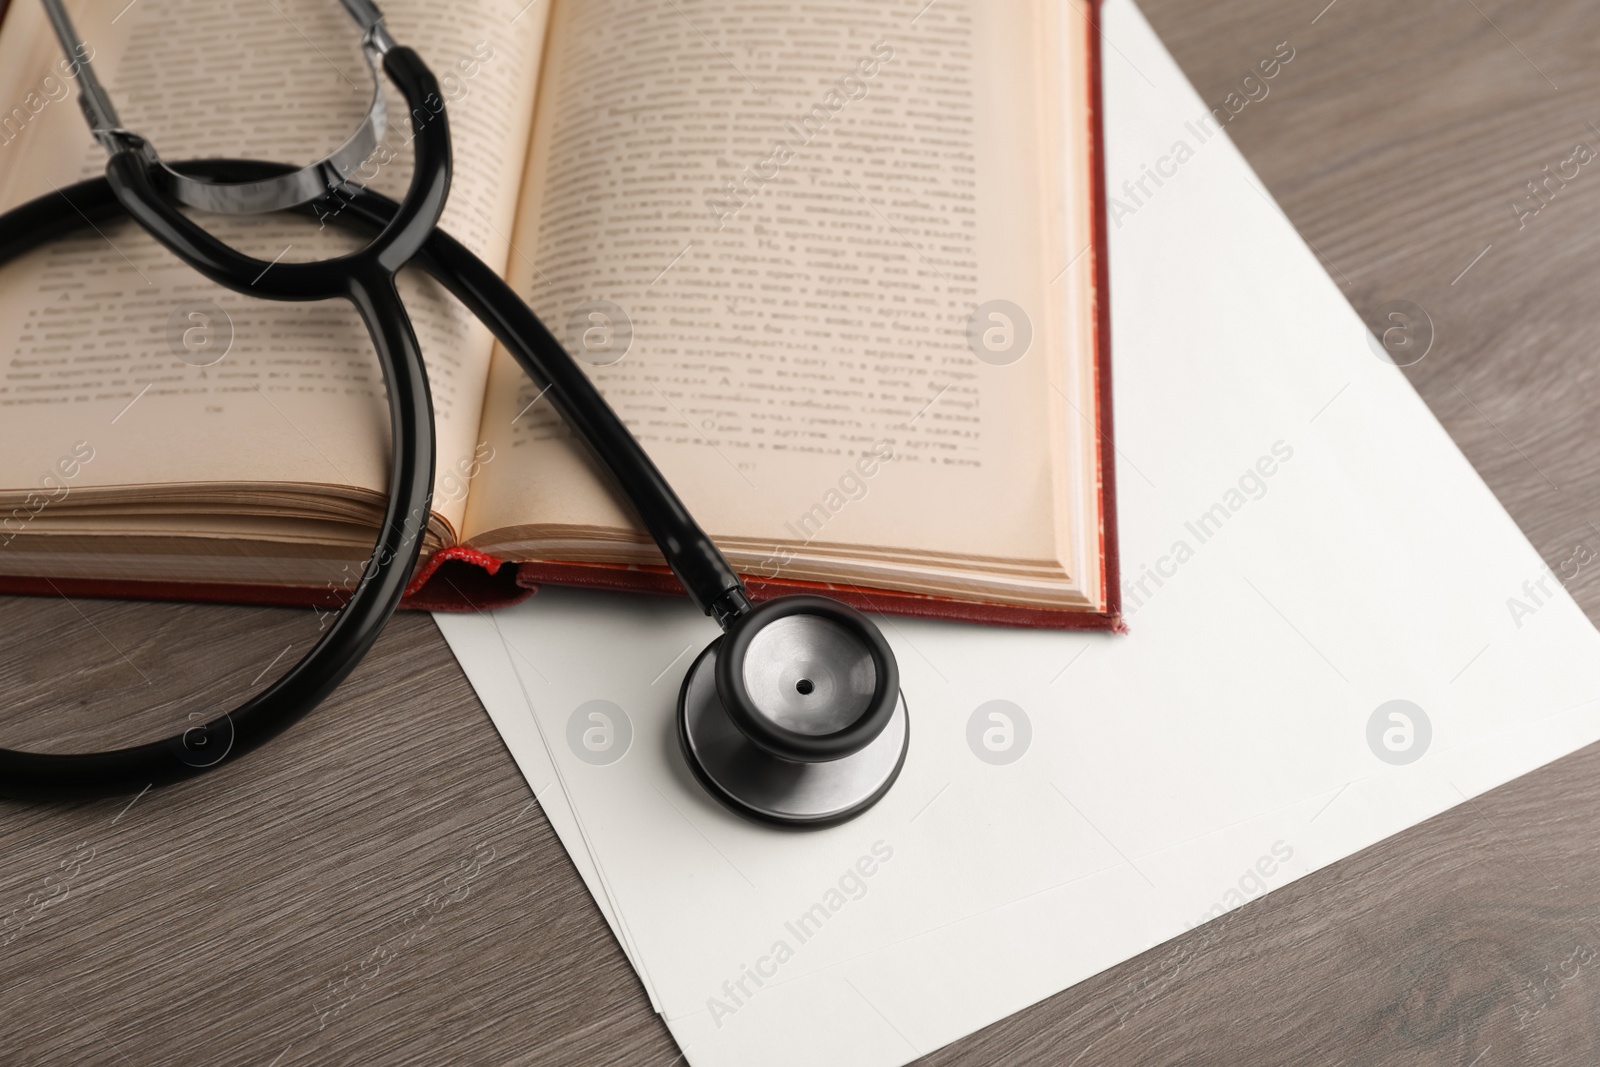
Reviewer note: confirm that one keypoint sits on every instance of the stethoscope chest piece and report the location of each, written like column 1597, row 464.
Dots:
column 795, row 715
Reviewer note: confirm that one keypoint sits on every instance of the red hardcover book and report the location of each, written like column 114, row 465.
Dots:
column 492, row 571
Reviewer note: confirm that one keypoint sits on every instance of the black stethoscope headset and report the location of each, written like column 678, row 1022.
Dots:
column 793, row 715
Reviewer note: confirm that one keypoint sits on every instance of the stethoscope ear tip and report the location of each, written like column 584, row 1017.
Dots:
column 795, row 716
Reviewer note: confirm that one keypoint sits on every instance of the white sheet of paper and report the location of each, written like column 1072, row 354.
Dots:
column 485, row 658
column 1222, row 749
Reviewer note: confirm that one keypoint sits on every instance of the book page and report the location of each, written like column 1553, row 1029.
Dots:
column 107, row 338
column 776, row 233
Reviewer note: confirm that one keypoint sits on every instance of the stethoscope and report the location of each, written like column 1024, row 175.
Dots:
column 792, row 716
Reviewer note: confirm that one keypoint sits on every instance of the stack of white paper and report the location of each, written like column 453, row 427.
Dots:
column 1246, row 731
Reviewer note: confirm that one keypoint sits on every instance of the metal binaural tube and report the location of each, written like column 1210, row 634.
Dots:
column 93, row 99
column 365, row 12
column 238, row 198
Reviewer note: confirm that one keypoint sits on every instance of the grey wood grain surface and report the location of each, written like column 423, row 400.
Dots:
column 378, row 886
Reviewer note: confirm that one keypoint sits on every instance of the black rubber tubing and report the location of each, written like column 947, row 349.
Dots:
column 366, row 278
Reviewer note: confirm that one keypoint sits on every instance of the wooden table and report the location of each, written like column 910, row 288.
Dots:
column 377, row 887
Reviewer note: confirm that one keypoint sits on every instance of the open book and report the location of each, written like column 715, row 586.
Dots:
column 840, row 269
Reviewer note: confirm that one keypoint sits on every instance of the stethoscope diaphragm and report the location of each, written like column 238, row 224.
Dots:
column 795, row 715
